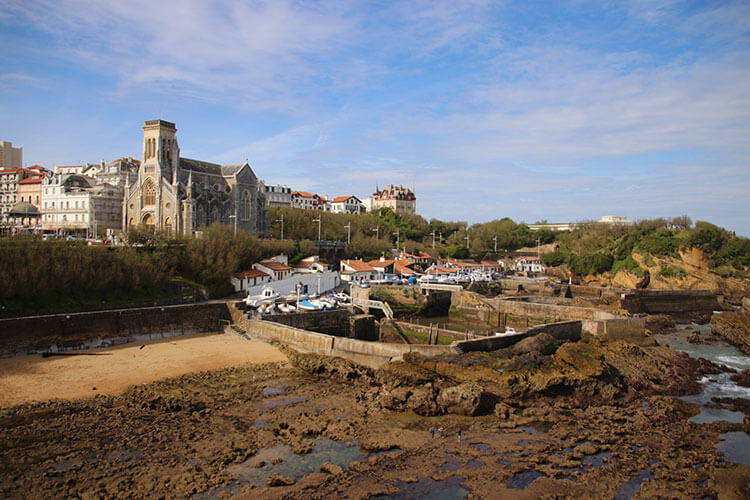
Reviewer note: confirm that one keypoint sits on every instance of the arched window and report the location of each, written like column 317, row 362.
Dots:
column 168, row 225
column 247, row 205
column 149, row 193
column 148, row 220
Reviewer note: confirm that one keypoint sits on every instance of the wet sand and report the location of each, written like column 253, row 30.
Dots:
column 109, row 371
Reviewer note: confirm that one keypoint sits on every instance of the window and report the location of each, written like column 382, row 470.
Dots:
column 246, row 205
column 149, row 193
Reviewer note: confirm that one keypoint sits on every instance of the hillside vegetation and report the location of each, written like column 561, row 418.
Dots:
column 659, row 253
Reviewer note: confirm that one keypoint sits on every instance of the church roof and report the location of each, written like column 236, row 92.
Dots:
column 200, row 166
column 232, row 169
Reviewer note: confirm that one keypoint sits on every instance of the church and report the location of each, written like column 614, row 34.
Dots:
column 178, row 195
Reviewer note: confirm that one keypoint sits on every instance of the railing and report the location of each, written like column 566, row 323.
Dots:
column 375, row 304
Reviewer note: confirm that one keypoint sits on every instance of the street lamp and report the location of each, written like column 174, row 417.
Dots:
column 235, row 223
column 348, row 232
column 377, row 232
column 433, row 240
column 282, row 226
column 467, row 240
column 495, row 240
column 397, row 233
column 318, row 220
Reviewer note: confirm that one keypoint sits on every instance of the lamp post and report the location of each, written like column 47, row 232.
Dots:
column 398, row 235
column 377, row 232
column 348, row 232
column 433, row 240
column 235, row 223
column 282, row 226
column 537, row 247
column 495, row 240
column 467, row 239
column 318, row 220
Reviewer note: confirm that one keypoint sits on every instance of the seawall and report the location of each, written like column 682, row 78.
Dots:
column 29, row 335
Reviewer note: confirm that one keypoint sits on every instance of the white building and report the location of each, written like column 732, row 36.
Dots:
column 357, row 271
column 276, row 267
column 529, row 265
column 76, row 203
column 346, row 205
column 248, row 279
column 278, row 195
column 310, row 264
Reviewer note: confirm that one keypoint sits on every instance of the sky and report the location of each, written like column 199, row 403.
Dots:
column 561, row 111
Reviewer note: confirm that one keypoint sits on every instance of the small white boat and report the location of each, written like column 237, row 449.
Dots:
column 342, row 297
column 286, row 308
column 508, row 331
column 267, row 294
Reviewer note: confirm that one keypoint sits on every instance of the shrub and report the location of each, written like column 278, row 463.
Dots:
column 672, row 272
column 554, row 259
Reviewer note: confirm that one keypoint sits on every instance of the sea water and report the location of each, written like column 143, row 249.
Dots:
column 734, row 445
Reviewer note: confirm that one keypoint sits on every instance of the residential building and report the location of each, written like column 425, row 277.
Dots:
column 119, row 173
column 310, row 264
column 421, row 258
column 276, row 267
column 10, row 157
column 80, row 204
column 347, row 205
column 357, row 271
column 620, row 220
column 278, row 195
column 307, row 201
column 248, row 279
column 178, row 195
column 564, row 226
column 529, row 265
column 9, row 182
column 398, row 198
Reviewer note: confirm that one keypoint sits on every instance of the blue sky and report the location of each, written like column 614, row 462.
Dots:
column 559, row 111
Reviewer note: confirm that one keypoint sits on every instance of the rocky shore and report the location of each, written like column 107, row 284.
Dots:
column 586, row 419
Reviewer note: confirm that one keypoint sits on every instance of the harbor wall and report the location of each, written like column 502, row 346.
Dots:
column 669, row 301
column 35, row 334
column 566, row 330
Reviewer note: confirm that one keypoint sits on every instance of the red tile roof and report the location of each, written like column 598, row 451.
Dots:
column 357, row 265
column 381, row 263
column 343, row 198
column 253, row 273
column 31, row 180
column 274, row 266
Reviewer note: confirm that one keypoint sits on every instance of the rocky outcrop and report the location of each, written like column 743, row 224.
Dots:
column 465, row 399
column 734, row 327
column 584, row 358
column 325, row 365
column 279, row 480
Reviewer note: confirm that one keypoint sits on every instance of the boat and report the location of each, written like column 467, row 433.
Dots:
column 342, row 297
column 310, row 305
column 286, row 308
column 267, row 294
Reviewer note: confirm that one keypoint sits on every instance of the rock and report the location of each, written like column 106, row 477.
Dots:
column 537, row 343
column 733, row 327
column 303, row 448
column 584, row 358
column 585, row 450
column 503, row 411
column 330, row 468
column 694, row 338
column 466, row 399
column 279, row 480
column 742, row 378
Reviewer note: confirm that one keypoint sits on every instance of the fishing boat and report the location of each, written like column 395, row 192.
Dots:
column 310, row 305
column 266, row 295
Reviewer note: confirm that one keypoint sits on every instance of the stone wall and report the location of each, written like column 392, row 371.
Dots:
column 36, row 334
column 568, row 330
column 669, row 301
column 337, row 322
column 372, row 354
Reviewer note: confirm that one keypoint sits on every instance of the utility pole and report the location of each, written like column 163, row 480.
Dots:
column 495, row 240
column 537, row 247
column 282, row 226
column 467, row 240
column 397, row 233
column 318, row 221
column 433, row 240
column 348, row 232
column 377, row 232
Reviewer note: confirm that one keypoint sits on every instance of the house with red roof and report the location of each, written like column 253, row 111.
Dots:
column 310, row 264
column 247, row 279
column 308, row 201
column 357, row 271
column 276, row 267
column 347, row 205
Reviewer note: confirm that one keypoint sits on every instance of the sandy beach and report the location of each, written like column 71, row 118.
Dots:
column 109, row 371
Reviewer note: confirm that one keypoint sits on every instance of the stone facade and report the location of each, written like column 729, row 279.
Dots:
column 10, row 157
column 179, row 195
column 398, row 198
